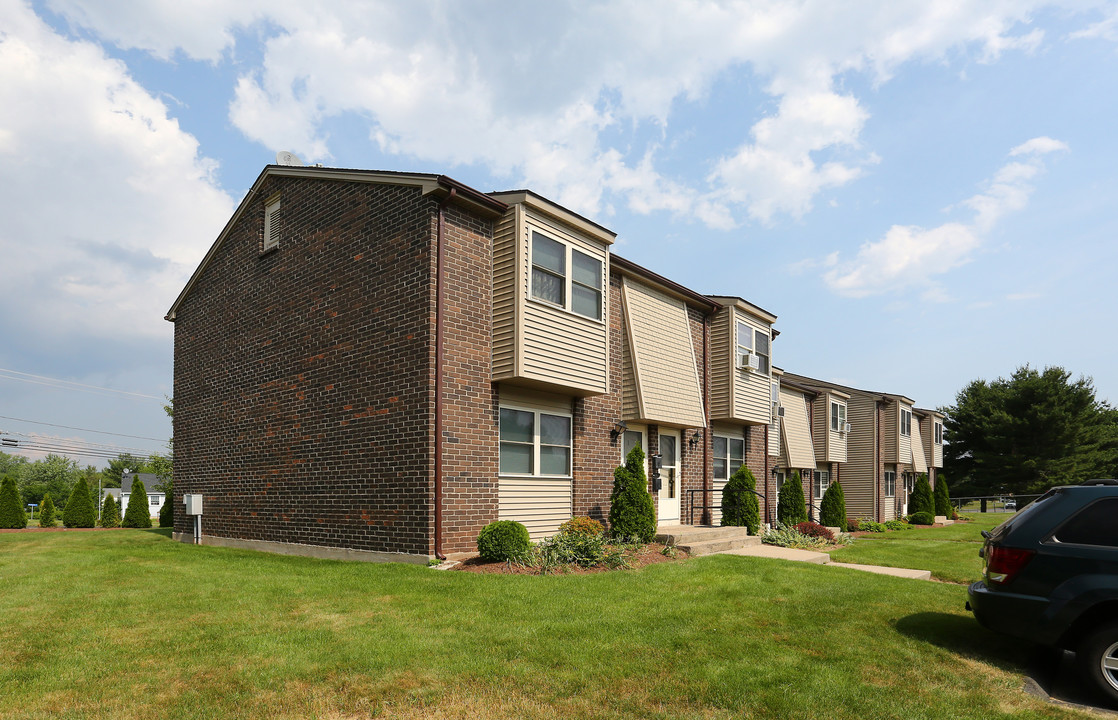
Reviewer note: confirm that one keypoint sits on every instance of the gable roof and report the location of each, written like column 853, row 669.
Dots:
column 148, row 479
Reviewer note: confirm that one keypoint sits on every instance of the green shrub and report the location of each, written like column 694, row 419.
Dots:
column 581, row 525
column 942, row 497
column 79, row 511
column 12, row 514
column 897, row 525
column 579, row 549
column 739, row 503
column 832, row 508
column 138, row 513
column 791, row 508
column 784, row 536
column 110, row 513
column 921, row 499
column 167, row 512
column 47, row 512
column 866, row 525
column 503, row 540
column 631, row 514
column 922, row 518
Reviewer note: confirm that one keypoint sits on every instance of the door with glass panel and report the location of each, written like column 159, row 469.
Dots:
column 668, row 497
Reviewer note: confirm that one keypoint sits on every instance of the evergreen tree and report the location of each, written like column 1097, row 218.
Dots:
column 921, row 499
column 110, row 513
column 631, row 513
column 79, row 511
column 12, row 515
column 942, row 497
column 739, row 503
column 138, row 514
column 167, row 512
column 832, row 508
column 47, row 512
column 791, row 507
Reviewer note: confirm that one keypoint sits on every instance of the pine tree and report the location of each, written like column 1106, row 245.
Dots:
column 79, row 511
column 12, row 515
column 138, row 514
column 832, row 508
column 110, row 513
column 942, row 498
column 167, row 512
column 921, row 499
column 791, row 508
column 631, row 514
column 47, row 512
column 739, row 504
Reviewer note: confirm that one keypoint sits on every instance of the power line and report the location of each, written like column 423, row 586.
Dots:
column 69, row 384
column 70, row 427
column 70, row 442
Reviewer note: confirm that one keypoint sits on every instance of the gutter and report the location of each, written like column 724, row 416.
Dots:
column 440, row 302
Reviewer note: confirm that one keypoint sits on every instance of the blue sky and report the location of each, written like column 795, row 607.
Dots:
column 922, row 192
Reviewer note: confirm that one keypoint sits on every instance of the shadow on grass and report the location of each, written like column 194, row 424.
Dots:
column 964, row 636
column 165, row 532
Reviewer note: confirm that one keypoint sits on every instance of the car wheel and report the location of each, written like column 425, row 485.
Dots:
column 1097, row 655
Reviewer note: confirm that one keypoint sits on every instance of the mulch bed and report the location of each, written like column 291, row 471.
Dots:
column 650, row 554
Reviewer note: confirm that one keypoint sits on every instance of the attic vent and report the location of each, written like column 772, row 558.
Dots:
column 271, row 222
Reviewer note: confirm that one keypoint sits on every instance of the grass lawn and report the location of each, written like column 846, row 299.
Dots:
column 129, row 624
column 950, row 553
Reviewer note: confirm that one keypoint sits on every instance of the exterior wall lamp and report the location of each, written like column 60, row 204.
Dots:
column 618, row 428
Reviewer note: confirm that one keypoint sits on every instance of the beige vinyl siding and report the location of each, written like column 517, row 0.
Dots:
column 721, row 364
column 919, row 462
column 799, row 451
column 666, row 377
column 859, row 472
column 504, row 296
column 820, row 425
column 890, row 448
column 752, row 394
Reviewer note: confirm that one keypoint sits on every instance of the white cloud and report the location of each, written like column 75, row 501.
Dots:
column 915, row 256
column 539, row 93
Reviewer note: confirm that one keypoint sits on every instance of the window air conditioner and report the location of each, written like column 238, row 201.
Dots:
column 780, row 411
column 846, row 428
column 749, row 361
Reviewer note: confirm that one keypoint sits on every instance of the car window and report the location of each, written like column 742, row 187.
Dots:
column 1093, row 525
column 1026, row 511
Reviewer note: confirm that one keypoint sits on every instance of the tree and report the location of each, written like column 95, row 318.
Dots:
column 47, row 512
column 12, row 514
column 942, row 497
column 79, row 508
column 631, row 514
column 832, row 508
column 739, row 504
column 12, row 465
column 138, row 514
column 1027, row 433
column 125, row 461
column 53, row 474
column 791, row 507
column 163, row 466
column 921, row 499
column 110, row 513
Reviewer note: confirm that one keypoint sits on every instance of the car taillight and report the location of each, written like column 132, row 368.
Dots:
column 1003, row 563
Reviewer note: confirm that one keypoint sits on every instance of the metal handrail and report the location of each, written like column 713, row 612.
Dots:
column 691, row 506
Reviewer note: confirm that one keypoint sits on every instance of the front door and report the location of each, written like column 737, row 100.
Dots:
column 668, row 497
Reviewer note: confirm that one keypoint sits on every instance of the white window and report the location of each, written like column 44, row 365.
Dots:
column 890, row 483
column 271, row 222
column 909, row 482
column 535, row 443
column 906, row 422
column 550, row 279
column 838, row 417
column 822, row 482
column 779, row 484
column 938, row 431
column 761, row 347
column 154, row 500
column 630, row 440
column 729, row 455
column 755, row 342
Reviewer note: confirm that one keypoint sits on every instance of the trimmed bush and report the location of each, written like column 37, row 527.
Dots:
column 832, row 508
column 922, row 518
column 47, row 512
column 582, row 526
column 791, row 508
column 921, row 499
column 12, row 515
column 503, row 540
column 79, row 511
column 739, row 504
column 942, row 497
column 110, row 513
column 631, row 514
column 815, row 530
column 138, row 513
column 897, row 525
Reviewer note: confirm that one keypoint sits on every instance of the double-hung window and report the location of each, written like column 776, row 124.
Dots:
column 761, row 347
column 550, row 277
column 906, row 422
column 838, row 417
column 938, row 432
column 822, row 482
column 535, row 443
column 752, row 341
column 890, row 483
column 729, row 455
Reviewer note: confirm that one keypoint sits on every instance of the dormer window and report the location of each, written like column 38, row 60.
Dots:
column 550, row 279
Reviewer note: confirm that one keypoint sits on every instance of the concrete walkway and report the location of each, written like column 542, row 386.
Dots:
column 780, row 553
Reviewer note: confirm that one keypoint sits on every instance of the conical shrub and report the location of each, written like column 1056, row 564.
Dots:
column 79, row 511
column 110, row 513
column 138, row 514
column 942, row 498
column 832, row 508
column 47, row 512
column 739, row 504
column 921, row 499
column 167, row 512
column 791, row 508
column 631, row 514
column 12, row 516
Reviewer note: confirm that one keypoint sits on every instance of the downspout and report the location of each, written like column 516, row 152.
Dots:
column 440, row 302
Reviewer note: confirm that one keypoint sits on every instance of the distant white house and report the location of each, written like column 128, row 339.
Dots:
column 150, row 480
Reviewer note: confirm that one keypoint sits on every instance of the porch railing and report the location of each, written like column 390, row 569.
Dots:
column 692, row 507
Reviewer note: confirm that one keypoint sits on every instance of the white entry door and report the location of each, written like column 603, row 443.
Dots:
column 668, row 498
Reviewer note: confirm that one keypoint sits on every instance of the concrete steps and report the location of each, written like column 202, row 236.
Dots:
column 706, row 540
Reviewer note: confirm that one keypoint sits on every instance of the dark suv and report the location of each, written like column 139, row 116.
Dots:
column 1052, row 577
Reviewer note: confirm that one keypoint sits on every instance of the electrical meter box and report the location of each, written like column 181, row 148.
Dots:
column 193, row 504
